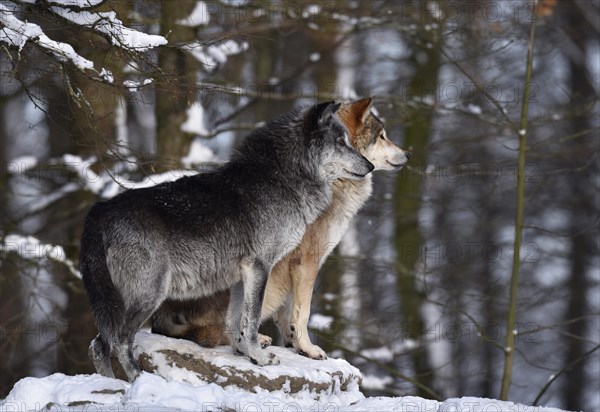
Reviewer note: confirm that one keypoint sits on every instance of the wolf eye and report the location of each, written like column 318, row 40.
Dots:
column 381, row 136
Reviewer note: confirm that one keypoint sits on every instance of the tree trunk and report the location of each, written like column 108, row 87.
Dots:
column 407, row 203
column 3, row 163
column 582, row 240
column 176, row 89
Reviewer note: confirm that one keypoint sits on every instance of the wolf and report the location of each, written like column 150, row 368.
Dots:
column 210, row 232
column 290, row 285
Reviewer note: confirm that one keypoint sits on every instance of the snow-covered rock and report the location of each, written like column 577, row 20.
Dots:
column 184, row 361
column 187, row 377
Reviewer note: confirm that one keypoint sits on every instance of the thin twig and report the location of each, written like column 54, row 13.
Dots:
column 511, row 321
column 556, row 375
column 482, row 89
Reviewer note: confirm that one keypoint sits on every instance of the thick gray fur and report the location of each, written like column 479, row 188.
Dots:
column 201, row 234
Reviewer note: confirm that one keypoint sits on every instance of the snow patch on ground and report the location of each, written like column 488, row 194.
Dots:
column 195, row 122
column 175, row 387
column 374, row 382
column 198, row 17
column 382, row 354
column 151, row 392
column 36, row 393
column 318, row 321
column 199, row 153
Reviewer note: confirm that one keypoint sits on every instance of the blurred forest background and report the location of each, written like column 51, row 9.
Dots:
column 416, row 295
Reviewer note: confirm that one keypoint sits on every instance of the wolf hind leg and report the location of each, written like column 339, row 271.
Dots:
column 127, row 359
column 134, row 319
column 282, row 321
column 141, row 273
column 100, row 353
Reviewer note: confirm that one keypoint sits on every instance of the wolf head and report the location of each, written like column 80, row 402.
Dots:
column 331, row 141
column 368, row 136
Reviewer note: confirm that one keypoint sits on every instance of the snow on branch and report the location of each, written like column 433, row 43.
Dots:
column 215, row 54
column 75, row 4
column 17, row 33
column 109, row 25
column 30, row 248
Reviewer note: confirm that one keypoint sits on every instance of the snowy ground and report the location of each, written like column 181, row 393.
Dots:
column 181, row 389
column 153, row 393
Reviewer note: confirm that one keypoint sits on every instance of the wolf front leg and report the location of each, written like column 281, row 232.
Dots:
column 234, row 317
column 244, row 313
column 303, row 274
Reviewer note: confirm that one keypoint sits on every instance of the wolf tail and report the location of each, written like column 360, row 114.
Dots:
column 106, row 301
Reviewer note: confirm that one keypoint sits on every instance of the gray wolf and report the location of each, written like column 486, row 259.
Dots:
column 210, row 232
column 290, row 285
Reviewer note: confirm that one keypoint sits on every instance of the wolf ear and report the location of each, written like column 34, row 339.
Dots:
column 362, row 108
column 330, row 109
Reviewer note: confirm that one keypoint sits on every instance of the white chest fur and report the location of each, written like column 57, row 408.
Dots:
column 349, row 196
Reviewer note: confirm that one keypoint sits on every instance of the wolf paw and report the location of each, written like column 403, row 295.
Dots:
column 288, row 342
column 311, row 351
column 239, row 347
column 264, row 358
column 264, row 340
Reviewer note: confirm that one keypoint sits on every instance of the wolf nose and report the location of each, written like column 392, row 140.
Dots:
column 371, row 166
column 408, row 155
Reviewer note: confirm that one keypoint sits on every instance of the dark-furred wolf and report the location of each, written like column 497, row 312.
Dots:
column 290, row 285
column 220, row 230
